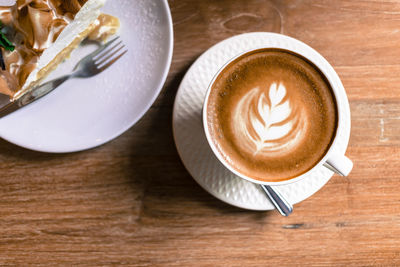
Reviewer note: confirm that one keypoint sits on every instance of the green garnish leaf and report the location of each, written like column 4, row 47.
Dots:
column 4, row 42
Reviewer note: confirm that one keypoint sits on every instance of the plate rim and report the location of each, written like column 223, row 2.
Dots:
column 157, row 91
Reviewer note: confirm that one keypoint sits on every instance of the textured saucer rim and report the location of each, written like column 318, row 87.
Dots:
column 345, row 132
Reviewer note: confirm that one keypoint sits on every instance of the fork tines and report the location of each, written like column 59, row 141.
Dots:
column 107, row 55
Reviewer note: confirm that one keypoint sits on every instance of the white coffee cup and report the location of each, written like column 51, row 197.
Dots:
column 333, row 159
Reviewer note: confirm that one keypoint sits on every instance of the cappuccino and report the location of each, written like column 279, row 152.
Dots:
column 271, row 115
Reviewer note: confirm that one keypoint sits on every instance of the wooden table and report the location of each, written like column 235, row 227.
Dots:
column 132, row 202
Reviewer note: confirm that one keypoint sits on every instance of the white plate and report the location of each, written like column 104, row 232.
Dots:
column 191, row 141
column 84, row 113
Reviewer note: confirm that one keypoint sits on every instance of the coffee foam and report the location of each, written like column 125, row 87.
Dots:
column 267, row 122
column 271, row 114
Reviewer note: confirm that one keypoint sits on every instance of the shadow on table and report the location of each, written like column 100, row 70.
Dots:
column 150, row 163
column 170, row 190
column 9, row 151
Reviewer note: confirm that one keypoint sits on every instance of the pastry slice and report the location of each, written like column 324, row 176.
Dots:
column 44, row 33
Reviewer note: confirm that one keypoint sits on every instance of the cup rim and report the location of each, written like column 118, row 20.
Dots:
column 328, row 72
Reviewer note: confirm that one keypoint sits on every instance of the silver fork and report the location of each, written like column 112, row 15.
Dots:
column 89, row 66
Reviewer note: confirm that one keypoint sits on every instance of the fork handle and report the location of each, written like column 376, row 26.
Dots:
column 42, row 90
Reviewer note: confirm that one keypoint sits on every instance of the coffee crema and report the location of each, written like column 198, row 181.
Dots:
column 271, row 115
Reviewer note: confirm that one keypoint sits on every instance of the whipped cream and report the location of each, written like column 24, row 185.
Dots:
column 40, row 30
column 32, row 26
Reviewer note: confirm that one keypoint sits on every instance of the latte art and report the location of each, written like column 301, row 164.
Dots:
column 271, row 115
column 266, row 121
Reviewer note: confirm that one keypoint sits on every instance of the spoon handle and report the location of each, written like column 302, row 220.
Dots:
column 280, row 203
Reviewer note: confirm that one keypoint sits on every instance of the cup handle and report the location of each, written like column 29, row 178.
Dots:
column 339, row 164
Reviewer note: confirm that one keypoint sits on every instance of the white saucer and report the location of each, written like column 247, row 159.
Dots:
column 191, row 142
column 84, row 113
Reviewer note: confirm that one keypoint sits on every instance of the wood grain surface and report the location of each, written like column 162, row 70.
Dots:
column 131, row 201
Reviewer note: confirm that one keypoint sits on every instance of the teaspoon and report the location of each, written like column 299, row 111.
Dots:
column 280, row 203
